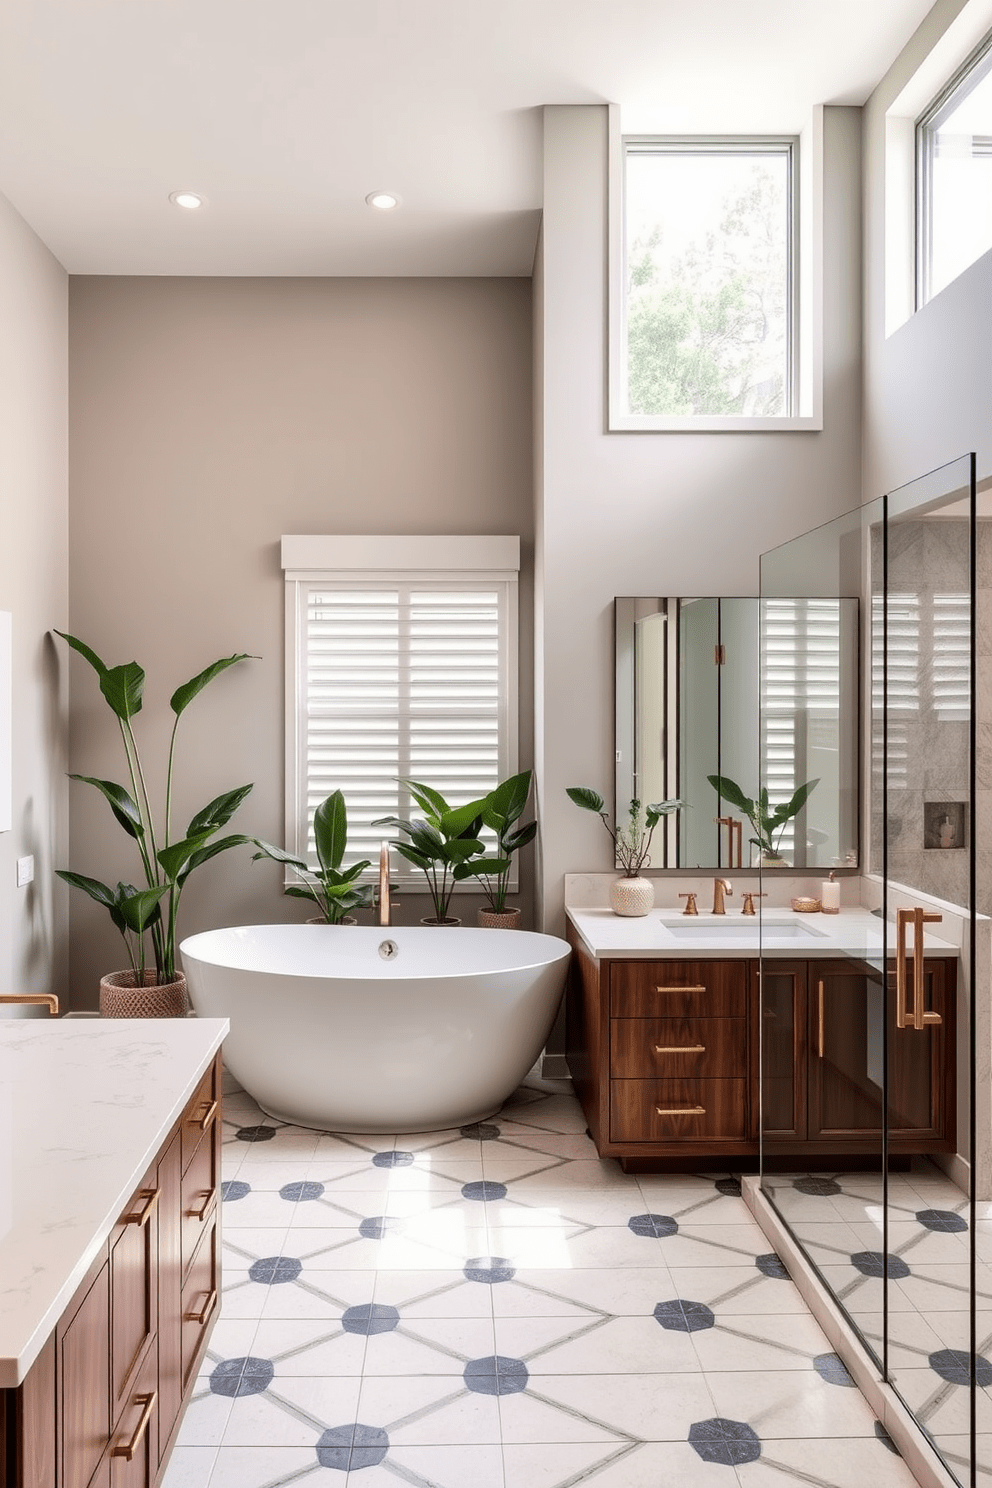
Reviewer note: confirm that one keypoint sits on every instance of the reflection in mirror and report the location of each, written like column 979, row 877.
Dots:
column 687, row 707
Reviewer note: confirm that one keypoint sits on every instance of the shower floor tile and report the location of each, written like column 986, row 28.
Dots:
column 496, row 1305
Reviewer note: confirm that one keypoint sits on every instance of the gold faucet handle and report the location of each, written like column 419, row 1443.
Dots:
column 690, row 907
column 749, row 897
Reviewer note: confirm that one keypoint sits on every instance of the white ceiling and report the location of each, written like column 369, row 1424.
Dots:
column 284, row 114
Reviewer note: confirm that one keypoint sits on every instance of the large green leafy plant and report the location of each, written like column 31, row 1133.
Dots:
column 765, row 821
column 333, row 889
column 501, row 810
column 440, row 845
column 166, row 865
column 632, row 834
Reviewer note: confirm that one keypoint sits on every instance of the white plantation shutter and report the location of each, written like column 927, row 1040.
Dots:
column 399, row 674
column 800, row 695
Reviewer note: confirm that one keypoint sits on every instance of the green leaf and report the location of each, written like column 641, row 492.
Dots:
column 183, row 696
column 204, row 854
column 99, row 891
column 462, row 848
column 509, row 798
column 175, row 858
column 297, row 891
column 463, row 821
column 430, row 801
column 218, row 812
column 589, row 800
column 514, row 841
column 481, row 868
column 427, row 840
column 122, row 687
column 138, row 907
column 418, row 859
column 330, row 830
column 658, row 809
column 393, row 821
column 121, row 804
column 277, row 854
column 98, row 666
column 796, row 804
column 730, row 791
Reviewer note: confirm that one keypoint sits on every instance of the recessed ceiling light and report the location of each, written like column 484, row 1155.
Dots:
column 384, row 200
column 187, row 199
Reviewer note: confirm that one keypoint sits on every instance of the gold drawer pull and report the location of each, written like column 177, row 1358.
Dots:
column 143, row 1215
column 127, row 1449
column 205, row 1310
column 683, row 988
column 209, row 1113
column 681, row 1110
column 201, row 1212
column 680, row 1048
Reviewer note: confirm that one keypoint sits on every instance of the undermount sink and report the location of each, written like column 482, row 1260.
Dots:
column 738, row 926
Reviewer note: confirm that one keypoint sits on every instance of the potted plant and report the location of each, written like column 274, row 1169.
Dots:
column 151, row 910
column 631, row 894
column 334, row 890
column 442, row 843
column 501, row 810
column 764, row 821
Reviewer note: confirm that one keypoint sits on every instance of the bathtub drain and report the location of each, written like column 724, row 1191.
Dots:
column 389, row 950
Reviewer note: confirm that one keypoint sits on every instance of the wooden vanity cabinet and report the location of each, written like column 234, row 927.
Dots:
column 665, row 1058
column 102, row 1403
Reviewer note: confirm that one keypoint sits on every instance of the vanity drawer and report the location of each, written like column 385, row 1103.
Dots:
column 198, row 1198
column 200, row 1114
column 678, row 989
column 199, row 1301
column 675, row 1048
column 678, row 1110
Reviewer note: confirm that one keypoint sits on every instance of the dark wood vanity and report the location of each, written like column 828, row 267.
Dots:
column 665, row 1057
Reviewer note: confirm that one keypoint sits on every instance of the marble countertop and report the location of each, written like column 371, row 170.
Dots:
column 84, row 1108
column 669, row 935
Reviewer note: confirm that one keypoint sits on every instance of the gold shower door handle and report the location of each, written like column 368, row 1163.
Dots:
column 915, row 1016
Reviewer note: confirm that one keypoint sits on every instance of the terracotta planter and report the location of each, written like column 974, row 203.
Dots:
column 491, row 919
column 632, row 896
column 122, row 996
column 431, row 921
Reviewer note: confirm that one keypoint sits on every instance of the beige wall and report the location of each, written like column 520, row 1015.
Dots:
column 208, row 417
column 654, row 513
column 33, row 586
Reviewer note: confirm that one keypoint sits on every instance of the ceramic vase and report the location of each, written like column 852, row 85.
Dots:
column 632, row 896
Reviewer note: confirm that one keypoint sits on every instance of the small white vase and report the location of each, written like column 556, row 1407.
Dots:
column 632, row 896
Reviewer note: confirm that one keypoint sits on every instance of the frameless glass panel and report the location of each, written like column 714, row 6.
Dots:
column 822, row 1103
column 927, row 858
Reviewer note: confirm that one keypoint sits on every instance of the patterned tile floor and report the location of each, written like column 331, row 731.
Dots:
column 498, row 1308
column 838, row 1218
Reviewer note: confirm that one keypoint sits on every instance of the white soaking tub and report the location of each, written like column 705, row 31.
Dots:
column 362, row 1028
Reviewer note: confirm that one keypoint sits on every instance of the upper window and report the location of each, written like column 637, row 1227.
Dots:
column 954, row 176
column 401, row 664
column 709, row 311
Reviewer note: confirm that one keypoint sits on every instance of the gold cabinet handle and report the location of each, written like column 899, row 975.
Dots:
column 205, row 1310
column 915, row 1017
column 819, row 1018
column 680, row 1110
column 209, row 1113
column 33, row 999
column 143, row 1215
column 680, row 1048
column 127, row 1449
column 201, row 1212
column 683, row 988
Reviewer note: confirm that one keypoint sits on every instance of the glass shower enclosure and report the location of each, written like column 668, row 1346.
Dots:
column 868, row 1095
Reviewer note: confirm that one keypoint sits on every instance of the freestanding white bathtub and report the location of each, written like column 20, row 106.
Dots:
column 362, row 1028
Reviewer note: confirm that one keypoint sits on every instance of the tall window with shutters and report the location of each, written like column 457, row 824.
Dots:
column 397, row 672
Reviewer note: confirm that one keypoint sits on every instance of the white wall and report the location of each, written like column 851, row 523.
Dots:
column 640, row 513
column 33, row 586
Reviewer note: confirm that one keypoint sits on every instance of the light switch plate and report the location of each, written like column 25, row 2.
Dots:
column 25, row 871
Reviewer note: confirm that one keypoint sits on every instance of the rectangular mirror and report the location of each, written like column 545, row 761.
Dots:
column 689, row 672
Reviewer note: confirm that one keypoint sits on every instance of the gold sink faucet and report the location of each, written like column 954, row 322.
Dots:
column 721, row 886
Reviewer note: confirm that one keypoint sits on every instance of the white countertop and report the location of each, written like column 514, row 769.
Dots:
column 84, row 1108
column 669, row 935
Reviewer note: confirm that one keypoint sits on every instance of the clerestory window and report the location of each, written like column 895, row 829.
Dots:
column 709, row 307
column 954, row 176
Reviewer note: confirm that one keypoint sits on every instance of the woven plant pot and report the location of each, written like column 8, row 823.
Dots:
column 122, row 996
column 451, row 920
column 320, row 920
column 506, row 919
